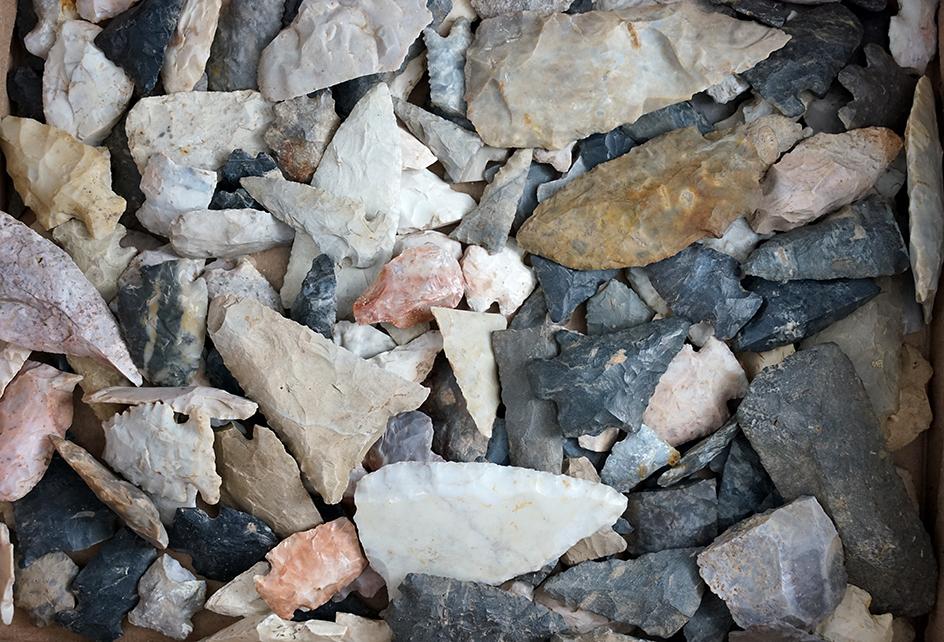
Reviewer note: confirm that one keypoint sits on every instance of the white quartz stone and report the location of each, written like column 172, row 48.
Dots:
column 414, row 360
column 50, row 14
column 429, row 237
column 474, row 521
column 201, row 234
column 84, row 93
column 190, row 400
column 852, row 621
column 171, row 189
column 428, row 202
column 238, row 597
column 501, row 278
column 98, row 10
column 240, row 278
column 331, row 41
column 415, row 155
column 198, row 128
column 102, row 260
column 467, row 342
column 739, row 240
column 365, row 341
column 912, row 34
column 189, row 48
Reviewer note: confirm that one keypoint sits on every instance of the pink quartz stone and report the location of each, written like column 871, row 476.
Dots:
column 36, row 404
column 421, row 277
column 308, row 568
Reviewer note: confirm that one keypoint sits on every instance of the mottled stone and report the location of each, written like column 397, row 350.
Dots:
column 171, row 189
column 564, row 288
column 262, row 479
column 427, row 202
column 501, row 278
column 606, row 380
column 170, row 596
column 797, row 309
column 135, row 40
column 163, row 318
column 438, row 609
column 315, row 306
column 852, row 621
column 912, row 38
column 662, row 121
column 684, row 516
column 804, row 444
column 42, row 588
column 101, row 260
column 58, row 177
column 221, row 547
column 303, row 58
column 745, row 488
column 515, row 99
column 238, row 597
column 880, row 91
column 703, row 285
column 308, row 568
column 635, row 458
column 50, row 14
column 192, row 400
column 240, row 278
column 914, row 413
column 822, row 174
column 300, row 133
column 245, row 28
column 657, row 592
column 700, row 455
column 445, row 61
column 615, row 307
column 822, row 40
column 408, row 437
column 800, row 545
column 455, row 435
column 492, row 8
column 535, row 439
column 187, row 51
column 860, row 241
column 474, row 521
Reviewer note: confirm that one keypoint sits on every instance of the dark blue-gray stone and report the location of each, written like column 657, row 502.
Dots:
column 245, row 28
column 812, row 424
column 224, row 546
column 745, row 488
column 822, row 112
column 219, row 375
column 438, row 609
column 667, row 119
column 636, row 458
column 537, row 176
column 700, row 455
column 455, row 435
column 239, row 165
column 565, row 289
column 600, row 148
column 882, row 91
column 772, row 13
column 107, row 588
column 531, row 313
column 125, row 177
column 616, row 307
column 61, row 513
column 822, row 40
column 780, row 633
column 683, row 516
column 796, row 309
column 711, row 622
column 316, row 306
column 136, row 39
column 702, row 284
column 498, row 451
column 25, row 89
column 607, row 380
column 657, row 592
column 237, row 199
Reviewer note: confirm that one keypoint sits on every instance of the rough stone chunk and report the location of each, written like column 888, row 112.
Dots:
column 170, row 596
column 102, row 260
column 665, row 53
column 189, row 48
column 171, row 189
column 657, row 592
column 427, row 202
column 681, row 517
column 745, row 489
column 565, row 289
column 914, row 410
column 811, row 422
column 784, row 567
column 912, row 38
column 852, row 621
column 221, row 547
column 614, row 307
column 238, row 597
column 245, row 28
column 501, row 278
column 300, row 133
column 240, row 278
column 203, row 234
column 635, row 458
column 880, row 91
column 711, row 623
column 455, row 435
column 315, row 305
column 700, row 455
column 409, row 437
column 42, row 588
column 607, row 380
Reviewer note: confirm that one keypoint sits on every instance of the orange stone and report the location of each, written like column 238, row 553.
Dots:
column 308, row 568
column 409, row 285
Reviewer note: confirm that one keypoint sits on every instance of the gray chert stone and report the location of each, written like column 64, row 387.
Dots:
column 822, row 112
column 170, row 595
column 860, row 241
column 782, row 633
column 822, row 39
column 635, row 458
column 300, row 133
column 498, row 449
column 881, row 91
column 125, row 177
column 745, row 489
column 535, row 439
column 769, row 12
column 657, row 592
column 224, row 546
column 616, row 307
column 702, row 285
column 238, row 199
column 163, row 320
column 537, row 176
column 781, row 567
column 700, row 455
column 531, row 313
column 600, row 148
column 813, row 426
column 606, row 381
column 315, row 305
column 492, row 8
column 239, row 165
column 797, row 309
column 565, row 289
column 245, row 28
column 445, row 63
column 437, row 609
column 455, row 437
column 667, row 119
column 711, row 622
column 408, row 437
column 684, row 516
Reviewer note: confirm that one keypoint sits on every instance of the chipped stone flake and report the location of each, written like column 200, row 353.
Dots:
column 98, row 10
column 240, row 278
column 428, row 202
column 413, row 360
column 192, row 400
column 912, row 35
column 300, row 133
column 12, row 359
column 189, row 48
column 171, row 189
column 445, row 61
column 501, row 278
column 170, row 596
column 6, row 576
column 203, row 234
column 51, row 15
column 102, row 260
column 238, row 597
column 42, row 588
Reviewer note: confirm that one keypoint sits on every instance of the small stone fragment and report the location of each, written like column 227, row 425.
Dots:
column 880, row 91
column 51, row 14
column 224, row 546
column 172, row 189
column 784, row 567
column 262, row 479
column 712, row 621
column 914, row 413
column 745, row 488
column 754, row 362
column 415, row 155
column 564, row 288
column 238, row 597
column 427, row 202
column 738, row 241
column 684, row 516
column 455, row 435
column 604, row 543
column 212, row 402
column 309, row 568
column 492, row 8
column 474, row 521
column 208, row 233
column 501, row 278
column 616, row 307
column 170, row 596
column 912, row 38
column 102, row 260
column 42, row 588
column 365, row 341
column 657, row 592
column 852, row 621
column 12, row 359
column 300, row 133
column 409, row 437
column 240, row 165
column 665, row 120
column 635, row 458
column 445, row 62
column 315, row 305
column 6, row 576
column 700, row 455
column 245, row 28
column 189, row 47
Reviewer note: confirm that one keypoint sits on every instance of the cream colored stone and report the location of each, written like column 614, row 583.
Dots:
column 12, row 358
column 601, row 443
column 405, row 335
column 428, row 237
column 501, row 278
column 362, row 629
column 914, row 413
column 414, row 360
column 189, row 48
column 327, row 404
column 102, row 260
column 98, row 10
column 739, row 240
column 172, row 189
column 6, row 575
column 428, row 202
column 84, row 93
column 238, row 597
column 96, row 376
column 912, row 36
column 240, row 278
column 275, row 629
column 365, row 341
column 42, row 588
column 415, row 155
column 58, row 177
column 603, row 543
column 754, row 362
column 202, row 234
column 403, row 84
column 560, row 159
column 192, row 400
column 467, row 342
column 50, row 14
column 852, row 621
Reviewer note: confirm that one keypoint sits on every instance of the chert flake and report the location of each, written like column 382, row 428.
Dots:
column 501, row 278
column 822, row 174
column 327, row 404
column 101, row 260
column 429, row 237
column 912, row 36
column 224, row 546
column 881, row 91
column 51, row 15
column 412, row 361
column 445, row 61
column 84, row 93
column 42, row 588
column 170, row 596
column 564, row 289
column 428, row 202
column 408, row 437
column 238, row 597
column 309, row 568
column 12, row 359
column 635, row 458
column 171, row 189
column 914, row 409
column 699, row 456
column 615, row 306
column 198, row 128
column 492, row 8
column 365, row 341
column 192, row 400
column 227, row 233
column 682, row 516
column 58, row 177
column 98, row 10
column 652, row 57
column 304, row 57
column 240, row 278
column 244, row 29
column 300, row 133
column 6, row 576
column 474, row 521
column 852, row 621
column 315, row 305
column 415, row 155
column 189, row 48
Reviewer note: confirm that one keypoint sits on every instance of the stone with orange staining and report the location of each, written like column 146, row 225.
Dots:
column 409, row 285
column 36, row 404
column 308, row 568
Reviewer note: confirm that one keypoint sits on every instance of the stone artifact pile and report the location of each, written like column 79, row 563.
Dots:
column 472, row 320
